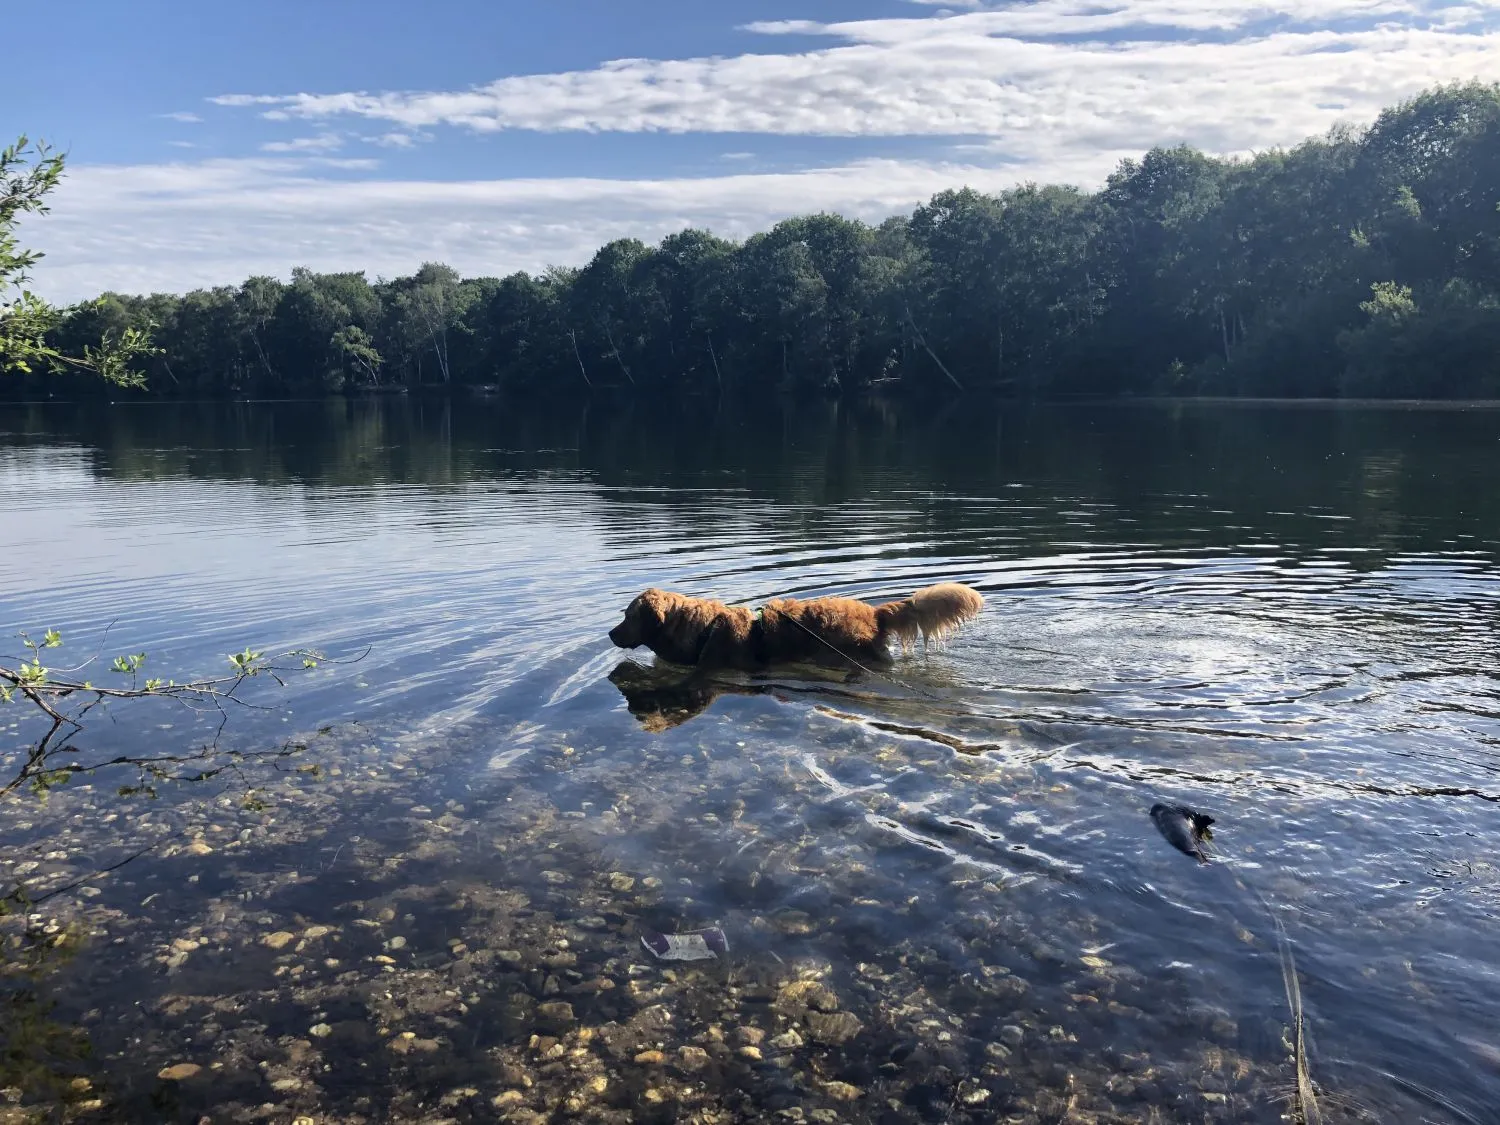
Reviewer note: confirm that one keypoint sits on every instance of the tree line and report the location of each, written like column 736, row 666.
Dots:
column 1365, row 262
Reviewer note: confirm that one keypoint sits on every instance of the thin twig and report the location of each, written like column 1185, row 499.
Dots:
column 94, row 874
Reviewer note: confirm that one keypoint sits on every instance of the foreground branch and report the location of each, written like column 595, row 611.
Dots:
column 64, row 701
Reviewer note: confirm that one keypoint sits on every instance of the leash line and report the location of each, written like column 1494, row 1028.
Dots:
column 1305, row 1096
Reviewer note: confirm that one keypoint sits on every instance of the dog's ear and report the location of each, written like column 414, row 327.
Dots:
column 637, row 623
column 654, row 605
column 683, row 621
column 647, row 615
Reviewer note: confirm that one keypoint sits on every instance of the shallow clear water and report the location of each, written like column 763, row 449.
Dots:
column 1283, row 616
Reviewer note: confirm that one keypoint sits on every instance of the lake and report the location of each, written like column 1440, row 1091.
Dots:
column 942, row 894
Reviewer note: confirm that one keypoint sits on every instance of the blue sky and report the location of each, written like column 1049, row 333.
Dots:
column 210, row 141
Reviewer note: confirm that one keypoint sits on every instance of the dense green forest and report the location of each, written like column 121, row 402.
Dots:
column 1362, row 263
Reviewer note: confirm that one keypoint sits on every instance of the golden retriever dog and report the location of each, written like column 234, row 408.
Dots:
column 702, row 633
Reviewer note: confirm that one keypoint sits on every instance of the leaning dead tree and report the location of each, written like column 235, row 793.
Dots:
column 922, row 340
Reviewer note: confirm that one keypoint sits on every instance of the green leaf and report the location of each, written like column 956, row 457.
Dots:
column 129, row 665
column 245, row 663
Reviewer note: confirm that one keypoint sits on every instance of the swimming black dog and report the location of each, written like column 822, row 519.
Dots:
column 1184, row 829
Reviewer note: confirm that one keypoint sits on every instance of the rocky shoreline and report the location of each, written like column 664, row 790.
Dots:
column 481, row 961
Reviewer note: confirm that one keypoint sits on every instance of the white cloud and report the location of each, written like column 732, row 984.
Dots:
column 182, row 144
column 323, row 142
column 1226, row 74
column 184, row 117
column 786, row 27
column 244, row 99
column 347, row 163
column 142, row 228
column 1047, row 90
column 1092, row 17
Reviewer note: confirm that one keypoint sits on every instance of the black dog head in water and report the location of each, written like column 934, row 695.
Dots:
column 1184, row 829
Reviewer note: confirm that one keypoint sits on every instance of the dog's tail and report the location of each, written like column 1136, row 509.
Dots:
column 933, row 614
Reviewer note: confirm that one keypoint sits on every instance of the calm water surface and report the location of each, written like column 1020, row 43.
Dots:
column 1284, row 616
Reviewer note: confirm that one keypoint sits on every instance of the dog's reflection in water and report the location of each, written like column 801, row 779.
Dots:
column 661, row 698
column 664, row 695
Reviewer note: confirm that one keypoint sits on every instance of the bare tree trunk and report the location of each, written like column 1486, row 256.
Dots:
column 1224, row 332
column 718, row 377
column 266, row 363
column 440, row 351
column 436, row 331
column 573, row 336
column 610, row 336
column 922, row 340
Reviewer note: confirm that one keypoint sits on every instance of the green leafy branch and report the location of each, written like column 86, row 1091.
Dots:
column 64, row 700
column 28, row 173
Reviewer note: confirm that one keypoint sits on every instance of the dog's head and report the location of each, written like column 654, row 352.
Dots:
column 644, row 618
